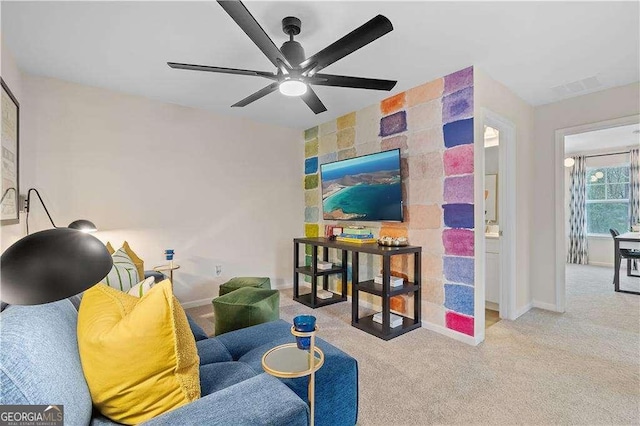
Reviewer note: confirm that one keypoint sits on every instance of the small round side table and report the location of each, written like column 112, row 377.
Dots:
column 287, row 361
column 164, row 268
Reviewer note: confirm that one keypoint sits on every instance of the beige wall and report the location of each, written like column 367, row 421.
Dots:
column 608, row 104
column 218, row 190
column 497, row 98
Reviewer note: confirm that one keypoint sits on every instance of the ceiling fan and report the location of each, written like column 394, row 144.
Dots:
column 295, row 73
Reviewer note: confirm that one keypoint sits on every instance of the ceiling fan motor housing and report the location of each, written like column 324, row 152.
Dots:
column 291, row 49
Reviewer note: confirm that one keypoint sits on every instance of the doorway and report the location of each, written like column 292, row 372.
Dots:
column 500, row 211
column 568, row 143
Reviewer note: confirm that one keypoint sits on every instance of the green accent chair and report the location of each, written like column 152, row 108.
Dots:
column 241, row 282
column 245, row 307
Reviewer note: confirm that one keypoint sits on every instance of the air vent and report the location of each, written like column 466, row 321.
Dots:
column 576, row 87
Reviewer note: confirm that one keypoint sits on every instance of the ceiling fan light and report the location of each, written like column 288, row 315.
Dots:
column 292, row 88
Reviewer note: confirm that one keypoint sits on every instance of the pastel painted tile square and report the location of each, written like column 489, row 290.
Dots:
column 311, row 148
column 392, row 104
column 367, row 148
column 348, row 120
column 346, row 153
column 394, row 123
column 459, row 269
column 425, row 217
column 458, row 160
column 346, row 138
column 425, row 92
column 312, row 197
column 460, row 323
column 394, row 142
column 328, row 127
column 424, row 141
column 459, row 298
column 311, row 133
column 310, row 165
column 426, row 115
column 311, row 230
column 458, row 105
column 328, row 143
column 432, row 290
column 458, row 133
column 311, row 181
column 432, row 266
column 328, row 158
column 311, row 214
column 425, row 191
column 458, row 80
column 458, row 242
column 429, row 239
column 458, row 189
column 459, row 215
column 428, row 166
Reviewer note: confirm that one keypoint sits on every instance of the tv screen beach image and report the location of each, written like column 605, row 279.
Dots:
column 366, row 188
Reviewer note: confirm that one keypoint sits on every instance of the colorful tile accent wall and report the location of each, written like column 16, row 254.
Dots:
column 432, row 125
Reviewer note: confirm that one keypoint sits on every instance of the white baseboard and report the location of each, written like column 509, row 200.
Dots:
column 523, row 310
column 196, row 303
column 545, row 306
column 469, row 340
column 608, row 265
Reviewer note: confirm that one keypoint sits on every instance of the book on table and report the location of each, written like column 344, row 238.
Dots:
column 394, row 320
column 356, row 240
column 324, row 266
column 393, row 281
column 323, row 294
column 356, row 231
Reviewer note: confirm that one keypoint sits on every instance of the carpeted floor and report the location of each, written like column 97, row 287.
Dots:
column 581, row 367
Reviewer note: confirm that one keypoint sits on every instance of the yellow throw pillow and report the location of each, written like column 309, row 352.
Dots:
column 110, row 248
column 136, row 260
column 138, row 355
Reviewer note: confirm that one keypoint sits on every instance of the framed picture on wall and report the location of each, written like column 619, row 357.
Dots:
column 10, row 111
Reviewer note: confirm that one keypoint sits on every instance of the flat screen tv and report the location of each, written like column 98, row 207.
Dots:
column 366, row 188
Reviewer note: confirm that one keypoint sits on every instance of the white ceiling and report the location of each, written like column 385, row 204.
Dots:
column 610, row 140
column 531, row 47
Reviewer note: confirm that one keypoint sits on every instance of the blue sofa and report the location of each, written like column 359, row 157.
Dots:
column 40, row 364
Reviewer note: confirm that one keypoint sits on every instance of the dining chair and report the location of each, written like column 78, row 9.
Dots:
column 626, row 253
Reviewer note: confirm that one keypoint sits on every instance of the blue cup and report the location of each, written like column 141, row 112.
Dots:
column 305, row 324
column 169, row 254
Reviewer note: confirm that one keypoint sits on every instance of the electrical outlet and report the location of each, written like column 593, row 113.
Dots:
column 218, row 270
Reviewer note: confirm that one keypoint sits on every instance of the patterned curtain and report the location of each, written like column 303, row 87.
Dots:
column 634, row 191
column 578, row 248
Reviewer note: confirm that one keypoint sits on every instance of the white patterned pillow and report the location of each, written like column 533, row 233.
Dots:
column 142, row 287
column 123, row 275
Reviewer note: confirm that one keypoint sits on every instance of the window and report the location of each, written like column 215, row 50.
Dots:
column 607, row 199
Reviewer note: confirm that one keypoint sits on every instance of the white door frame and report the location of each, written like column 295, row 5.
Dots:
column 506, row 209
column 560, row 204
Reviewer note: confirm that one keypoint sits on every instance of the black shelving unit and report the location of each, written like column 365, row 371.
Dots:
column 311, row 299
column 385, row 291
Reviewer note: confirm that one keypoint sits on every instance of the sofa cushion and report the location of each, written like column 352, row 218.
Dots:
column 340, row 371
column 135, row 259
column 211, row 350
column 123, row 274
column 40, row 361
column 260, row 400
column 138, row 354
column 220, row 375
column 142, row 287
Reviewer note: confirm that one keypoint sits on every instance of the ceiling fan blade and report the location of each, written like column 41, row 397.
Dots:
column 313, row 101
column 361, row 36
column 250, row 26
column 222, row 70
column 355, row 82
column 259, row 94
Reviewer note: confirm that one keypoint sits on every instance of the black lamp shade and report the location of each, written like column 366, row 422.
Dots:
column 83, row 225
column 52, row 265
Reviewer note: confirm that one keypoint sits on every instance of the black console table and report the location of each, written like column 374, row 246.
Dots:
column 311, row 299
column 385, row 291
